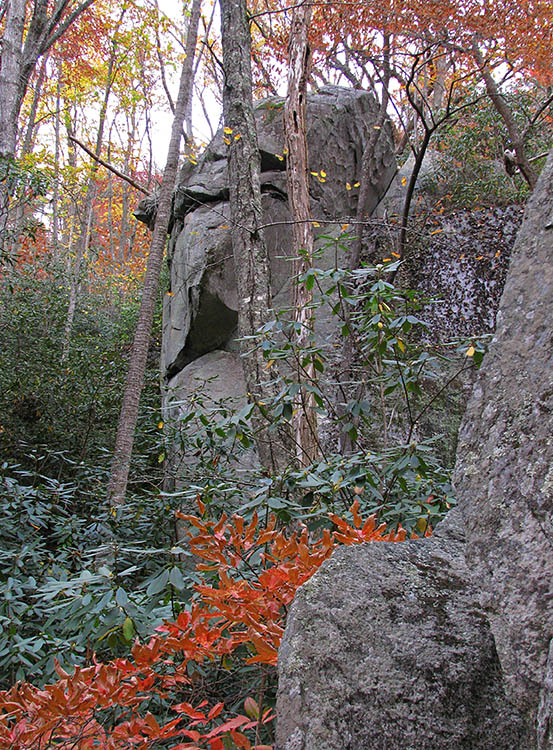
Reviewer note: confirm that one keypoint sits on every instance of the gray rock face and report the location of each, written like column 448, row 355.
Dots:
column 463, row 262
column 200, row 313
column 504, row 474
column 387, row 647
column 441, row 643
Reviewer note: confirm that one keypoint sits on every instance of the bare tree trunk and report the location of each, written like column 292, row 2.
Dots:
column 10, row 69
column 517, row 138
column 137, row 365
column 10, row 63
column 304, row 420
column 18, row 56
column 250, row 252
column 366, row 191
column 27, row 146
column 86, row 218
column 364, row 208
column 57, row 153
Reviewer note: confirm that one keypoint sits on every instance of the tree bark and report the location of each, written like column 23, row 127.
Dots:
column 86, row 218
column 137, row 365
column 517, row 138
column 18, row 58
column 250, row 252
column 304, row 420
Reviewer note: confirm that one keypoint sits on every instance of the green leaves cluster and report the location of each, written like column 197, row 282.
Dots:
column 396, row 465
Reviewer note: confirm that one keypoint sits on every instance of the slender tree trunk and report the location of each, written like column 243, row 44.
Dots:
column 10, row 65
column 86, row 218
column 304, row 420
column 517, row 138
column 10, row 71
column 57, row 154
column 250, row 252
column 27, row 146
column 137, row 365
column 367, row 180
column 71, row 213
column 18, row 57
column 367, row 176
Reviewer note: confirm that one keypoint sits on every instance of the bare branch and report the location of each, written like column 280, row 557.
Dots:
column 105, row 164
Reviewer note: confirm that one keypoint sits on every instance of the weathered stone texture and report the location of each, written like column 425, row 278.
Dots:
column 386, row 647
column 504, row 474
column 440, row 643
column 200, row 314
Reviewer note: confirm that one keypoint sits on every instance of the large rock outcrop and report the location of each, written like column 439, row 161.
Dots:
column 200, row 314
column 504, row 474
column 200, row 310
column 446, row 643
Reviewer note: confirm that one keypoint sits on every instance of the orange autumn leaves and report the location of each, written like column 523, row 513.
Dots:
column 250, row 573
column 252, row 601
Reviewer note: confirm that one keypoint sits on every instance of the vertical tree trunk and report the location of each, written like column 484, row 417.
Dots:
column 86, row 218
column 137, row 365
column 57, row 154
column 506, row 115
column 250, row 252
column 10, row 65
column 10, row 70
column 27, row 146
column 304, row 420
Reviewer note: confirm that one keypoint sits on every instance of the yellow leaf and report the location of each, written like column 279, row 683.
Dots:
column 348, row 186
column 279, row 157
column 470, row 351
column 323, row 174
column 169, row 294
column 421, row 524
column 315, row 174
column 401, row 345
column 237, row 137
column 322, row 179
column 404, row 180
column 345, row 227
column 437, row 231
column 227, row 131
column 479, row 257
column 386, row 260
column 160, row 425
column 226, row 140
column 396, row 255
column 285, row 151
column 356, row 184
column 269, row 364
column 315, row 223
column 380, row 324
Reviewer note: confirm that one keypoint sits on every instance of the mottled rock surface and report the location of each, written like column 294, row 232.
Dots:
column 504, row 473
column 443, row 643
column 386, row 647
column 200, row 313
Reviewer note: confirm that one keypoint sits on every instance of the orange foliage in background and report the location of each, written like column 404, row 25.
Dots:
column 239, row 612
